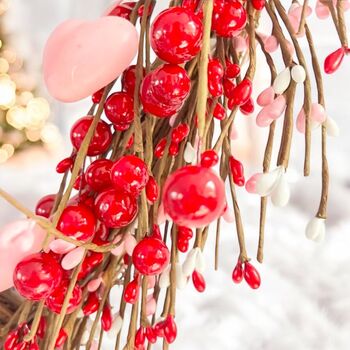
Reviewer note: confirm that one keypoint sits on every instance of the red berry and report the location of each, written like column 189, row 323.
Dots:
column 91, row 261
column 142, row 8
column 41, row 327
column 209, row 158
column 241, row 93
column 36, row 276
column 251, row 276
column 198, row 281
column 64, row 165
column 156, row 232
column 182, row 245
column 45, row 205
column 61, row 338
column 185, row 232
column 116, row 209
column 55, row 300
column 130, row 174
column 132, row 291
column 170, row 329
column 91, row 305
column 229, row 88
column 140, row 337
column 176, row 35
column 152, row 190
column 215, row 75
column 219, row 112
column 77, row 221
column 100, row 141
column 159, row 329
column 98, row 174
column 129, row 79
column 334, row 60
column 160, row 147
column 194, row 196
column 174, row 149
column 237, row 171
column 229, row 18
column 237, row 273
column 180, row 132
column 232, row 69
column 119, row 109
column 130, row 142
column 150, row 256
column 248, row 107
column 258, row 4
column 124, row 10
column 106, row 318
column 192, row 5
column 96, row 97
column 150, row 335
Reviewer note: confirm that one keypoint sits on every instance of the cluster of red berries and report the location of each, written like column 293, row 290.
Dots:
column 248, row 272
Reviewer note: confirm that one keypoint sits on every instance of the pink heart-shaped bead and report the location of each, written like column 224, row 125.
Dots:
column 18, row 239
column 151, row 306
column 81, row 57
column 266, row 97
column 271, row 44
column 120, row 248
column 229, row 215
column 250, row 185
column 318, row 114
column 271, row 112
column 60, row 246
column 94, row 284
column 73, row 258
column 322, row 11
column 129, row 243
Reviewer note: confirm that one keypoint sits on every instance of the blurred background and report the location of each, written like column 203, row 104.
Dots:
column 304, row 299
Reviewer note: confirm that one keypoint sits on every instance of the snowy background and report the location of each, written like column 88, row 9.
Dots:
column 304, row 300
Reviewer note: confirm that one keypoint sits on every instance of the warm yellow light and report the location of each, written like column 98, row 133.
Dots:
column 38, row 109
column 17, row 117
column 3, row 156
column 7, row 91
column 4, row 65
column 33, row 135
column 9, row 54
column 9, row 149
column 50, row 134
column 25, row 97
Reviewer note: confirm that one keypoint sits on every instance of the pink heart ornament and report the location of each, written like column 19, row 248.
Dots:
column 266, row 97
column 81, row 57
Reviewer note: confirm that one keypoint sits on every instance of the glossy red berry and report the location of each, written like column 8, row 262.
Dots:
column 156, row 232
column 251, row 275
column 91, row 261
column 129, row 80
column 64, row 165
column 36, row 276
column 219, row 112
column 91, row 305
column 41, row 327
column 100, row 141
column 232, row 70
column 160, row 147
column 140, row 337
column 258, row 4
column 192, row 5
column 170, row 329
column 334, row 60
column 176, row 35
column 174, row 149
column 152, row 190
column 98, row 174
column 45, row 205
column 184, row 232
column 61, row 338
column 130, row 174
column 106, row 318
column 215, row 75
column 96, row 97
column 248, row 107
column 229, row 17
column 180, row 132
column 182, row 245
column 194, row 196
column 115, row 208
column 242, row 92
column 237, row 273
column 150, row 334
column 198, row 281
column 159, row 329
column 132, row 291
column 77, row 221
column 237, row 171
column 229, row 88
column 123, row 10
column 119, row 109
column 55, row 300
column 150, row 256
column 209, row 158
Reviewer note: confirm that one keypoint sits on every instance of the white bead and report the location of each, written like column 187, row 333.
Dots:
column 316, row 229
column 200, row 262
column 282, row 81
column 189, row 153
column 332, row 127
column 281, row 193
column 298, row 74
column 190, row 262
column 267, row 182
column 181, row 279
column 117, row 325
column 164, row 280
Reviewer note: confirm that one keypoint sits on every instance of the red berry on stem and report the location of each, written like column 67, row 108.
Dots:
column 198, row 281
column 61, row 338
column 55, row 300
column 150, row 335
column 229, row 88
column 176, row 35
column 251, row 276
column 106, row 318
column 140, row 336
column 180, row 132
column 132, row 291
column 77, row 221
column 150, row 256
column 209, row 158
column 232, row 69
column 215, row 75
column 101, row 140
column 123, row 10
column 170, row 329
column 219, row 112
column 160, row 147
column 37, row 276
column 119, row 109
column 91, row 305
column 237, row 171
column 241, row 92
column 98, row 174
column 45, row 205
column 41, row 327
column 248, row 107
column 237, row 273
column 182, row 245
column 258, row 4
column 229, row 17
column 115, row 208
column 64, row 165
column 130, row 174
column 174, row 149
column 185, row 232
column 194, row 196
column 96, row 97
column 129, row 79
column 334, row 60
column 152, row 190
column 91, row 261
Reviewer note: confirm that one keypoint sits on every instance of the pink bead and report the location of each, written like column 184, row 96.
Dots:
column 250, row 185
column 81, row 57
column 322, row 11
column 239, row 43
column 73, row 258
column 129, row 243
column 151, row 307
column 94, row 284
column 60, row 246
column 120, row 249
column 271, row 44
column 271, row 112
column 228, row 215
column 266, row 97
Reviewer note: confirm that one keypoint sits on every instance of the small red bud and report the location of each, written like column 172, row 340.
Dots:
column 237, row 273
column 198, row 281
column 209, row 158
column 251, row 275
